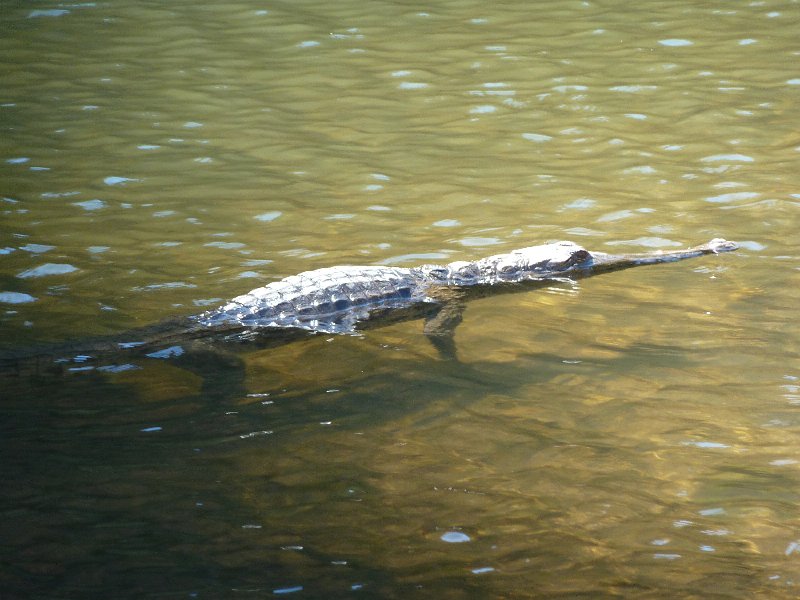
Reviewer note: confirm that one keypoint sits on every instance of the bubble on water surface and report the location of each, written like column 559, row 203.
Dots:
column 118, row 368
column 268, row 216
column 615, row 216
column 714, row 445
column 206, row 301
column 712, row 512
column 163, row 286
column 732, row 197
column 46, row 270
column 52, row 12
column 580, row 204
column 783, row 462
column 478, row 241
column 728, row 158
column 167, row 352
column 537, row 137
column 481, row 570
column 246, row 436
column 36, row 248
column 674, row 42
column 412, row 85
column 90, row 204
column 483, row 109
column 226, row 245
column 114, row 180
column 792, row 548
column 455, row 537
column 752, row 245
column 641, row 170
column 632, row 89
column 256, row 262
column 288, row 590
column 15, row 298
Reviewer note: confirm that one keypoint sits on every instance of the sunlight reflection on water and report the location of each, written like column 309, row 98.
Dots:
column 630, row 434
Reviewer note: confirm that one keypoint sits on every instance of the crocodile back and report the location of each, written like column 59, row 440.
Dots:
column 331, row 300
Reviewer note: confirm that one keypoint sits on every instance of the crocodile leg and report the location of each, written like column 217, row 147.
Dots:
column 440, row 328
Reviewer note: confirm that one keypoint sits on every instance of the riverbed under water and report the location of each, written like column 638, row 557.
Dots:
column 633, row 435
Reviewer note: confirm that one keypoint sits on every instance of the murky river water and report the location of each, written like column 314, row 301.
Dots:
column 635, row 435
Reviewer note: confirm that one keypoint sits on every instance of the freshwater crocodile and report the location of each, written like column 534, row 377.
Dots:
column 338, row 299
column 346, row 299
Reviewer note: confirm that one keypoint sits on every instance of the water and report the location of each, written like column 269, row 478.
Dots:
column 634, row 435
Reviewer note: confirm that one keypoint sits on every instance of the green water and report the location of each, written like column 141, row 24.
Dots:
column 635, row 435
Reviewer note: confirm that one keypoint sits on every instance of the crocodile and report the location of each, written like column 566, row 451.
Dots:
column 338, row 299
column 347, row 299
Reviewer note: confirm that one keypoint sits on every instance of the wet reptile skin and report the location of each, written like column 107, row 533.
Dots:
column 335, row 299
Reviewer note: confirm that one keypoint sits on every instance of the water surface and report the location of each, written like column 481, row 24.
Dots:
column 634, row 435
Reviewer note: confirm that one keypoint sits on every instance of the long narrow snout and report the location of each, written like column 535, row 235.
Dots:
column 601, row 262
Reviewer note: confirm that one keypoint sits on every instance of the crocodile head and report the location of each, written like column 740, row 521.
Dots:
column 534, row 262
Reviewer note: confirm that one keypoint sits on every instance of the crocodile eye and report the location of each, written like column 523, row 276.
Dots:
column 579, row 257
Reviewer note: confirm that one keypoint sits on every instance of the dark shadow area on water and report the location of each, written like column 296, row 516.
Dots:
column 213, row 475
